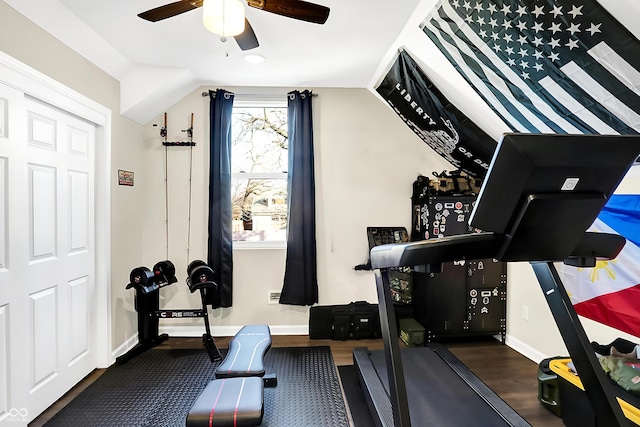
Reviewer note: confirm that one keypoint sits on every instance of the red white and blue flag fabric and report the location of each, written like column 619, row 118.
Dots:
column 610, row 292
column 544, row 66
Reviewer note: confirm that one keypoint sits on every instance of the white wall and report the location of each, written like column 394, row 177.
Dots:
column 366, row 162
column 26, row 42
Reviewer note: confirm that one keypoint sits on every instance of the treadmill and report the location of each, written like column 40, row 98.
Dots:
column 541, row 192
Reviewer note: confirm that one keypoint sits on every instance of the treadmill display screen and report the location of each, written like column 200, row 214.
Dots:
column 543, row 164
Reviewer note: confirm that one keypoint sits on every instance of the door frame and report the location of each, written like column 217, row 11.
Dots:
column 37, row 85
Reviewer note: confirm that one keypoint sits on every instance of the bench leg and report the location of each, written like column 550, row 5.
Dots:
column 207, row 339
column 211, row 347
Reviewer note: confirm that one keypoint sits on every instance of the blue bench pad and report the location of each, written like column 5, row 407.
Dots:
column 246, row 353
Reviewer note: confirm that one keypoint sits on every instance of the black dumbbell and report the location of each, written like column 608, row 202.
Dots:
column 201, row 277
column 193, row 264
column 142, row 278
column 166, row 272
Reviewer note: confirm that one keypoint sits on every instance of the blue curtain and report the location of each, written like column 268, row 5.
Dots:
column 220, row 255
column 300, row 277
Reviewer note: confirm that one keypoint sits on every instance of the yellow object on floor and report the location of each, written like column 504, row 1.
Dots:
column 562, row 369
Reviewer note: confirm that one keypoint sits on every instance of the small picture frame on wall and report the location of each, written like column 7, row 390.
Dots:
column 125, row 178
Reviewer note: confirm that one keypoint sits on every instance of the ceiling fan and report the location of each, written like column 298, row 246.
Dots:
column 296, row 9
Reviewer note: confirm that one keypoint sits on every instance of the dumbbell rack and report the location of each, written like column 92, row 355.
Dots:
column 147, row 285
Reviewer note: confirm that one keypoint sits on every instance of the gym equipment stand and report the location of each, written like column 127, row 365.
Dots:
column 147, row 285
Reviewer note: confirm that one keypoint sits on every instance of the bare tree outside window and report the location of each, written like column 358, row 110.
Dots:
column 259, row 162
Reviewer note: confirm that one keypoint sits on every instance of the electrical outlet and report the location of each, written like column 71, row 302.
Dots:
column 525, row 312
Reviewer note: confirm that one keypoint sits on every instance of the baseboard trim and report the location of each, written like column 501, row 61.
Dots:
column 124, row 347
column 198, row 331
column 229, row 331
column 525, row 349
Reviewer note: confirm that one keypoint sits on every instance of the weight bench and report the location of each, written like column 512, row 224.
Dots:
column 236, row 396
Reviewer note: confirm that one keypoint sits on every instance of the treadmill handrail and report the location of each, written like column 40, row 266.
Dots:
column 436, row 251
column 598, row 245
column 481, row 246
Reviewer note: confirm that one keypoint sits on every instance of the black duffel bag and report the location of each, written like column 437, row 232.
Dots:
column 353, row 321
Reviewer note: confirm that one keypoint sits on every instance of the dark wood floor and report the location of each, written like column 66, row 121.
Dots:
column 509, row 374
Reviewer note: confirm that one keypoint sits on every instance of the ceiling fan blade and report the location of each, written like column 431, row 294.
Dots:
column 247, row 39
column 296, row 9
column 169, row 10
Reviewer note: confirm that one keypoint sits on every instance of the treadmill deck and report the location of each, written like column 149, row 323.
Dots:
column 441, row 390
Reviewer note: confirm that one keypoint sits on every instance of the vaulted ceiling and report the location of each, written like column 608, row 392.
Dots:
column 158, row 63
column 162, row 61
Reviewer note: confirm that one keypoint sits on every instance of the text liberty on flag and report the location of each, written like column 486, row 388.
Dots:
column 544, row 66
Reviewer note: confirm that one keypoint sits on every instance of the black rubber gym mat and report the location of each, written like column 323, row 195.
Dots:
column 158, row 387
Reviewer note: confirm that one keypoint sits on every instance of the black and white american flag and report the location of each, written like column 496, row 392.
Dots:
column 544, row 66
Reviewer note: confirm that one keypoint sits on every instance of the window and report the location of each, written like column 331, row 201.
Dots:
column 259, row 163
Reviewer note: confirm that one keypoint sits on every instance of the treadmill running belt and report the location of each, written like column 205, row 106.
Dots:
column 443, row 392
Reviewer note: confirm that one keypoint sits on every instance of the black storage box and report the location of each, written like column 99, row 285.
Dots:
column 548, row 389
column 354, row 321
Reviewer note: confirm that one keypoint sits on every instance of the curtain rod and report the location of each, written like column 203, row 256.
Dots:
column 256, row 95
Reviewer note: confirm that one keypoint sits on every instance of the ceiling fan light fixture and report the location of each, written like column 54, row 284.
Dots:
column 223, row 17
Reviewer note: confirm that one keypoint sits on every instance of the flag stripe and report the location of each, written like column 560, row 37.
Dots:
column 587, row 102
column 594, row 64
column 571, row 104
column 617, row 66
column 602, row 96
column 523, row 96
column 622, row 215
column 618, row 310
column 500, row 92
column 535, row 48
column 504, row 78
column 495, row 98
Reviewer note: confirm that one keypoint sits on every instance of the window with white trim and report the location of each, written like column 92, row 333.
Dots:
column 259, row 164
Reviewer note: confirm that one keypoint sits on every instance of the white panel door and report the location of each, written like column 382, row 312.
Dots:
column 47, row 256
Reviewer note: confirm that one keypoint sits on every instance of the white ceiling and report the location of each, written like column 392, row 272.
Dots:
column 159, row 63
column 178, row 54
